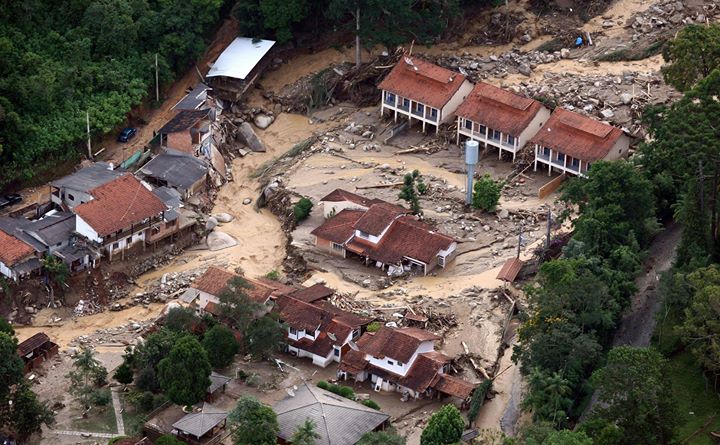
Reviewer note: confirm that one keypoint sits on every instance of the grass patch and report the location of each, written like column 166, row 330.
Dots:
column 634, row 53
column 693, row 394
column 294, row 151
column 100, row 420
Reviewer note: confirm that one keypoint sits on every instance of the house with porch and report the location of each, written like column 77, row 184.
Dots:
column 499, row 119
column 200, row 427
column 388, row 237
column 422, row 91
column 402, row 360
column 122, row 214
column 569, row 143
column 318, row 331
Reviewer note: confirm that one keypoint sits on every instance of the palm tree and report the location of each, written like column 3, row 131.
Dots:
column 305, row 434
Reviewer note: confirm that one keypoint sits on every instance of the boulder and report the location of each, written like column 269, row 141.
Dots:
column 248, row 136
column 211, row 223
column 220, row 240
column 263, row 121
column 223, row 217
column 525, row 69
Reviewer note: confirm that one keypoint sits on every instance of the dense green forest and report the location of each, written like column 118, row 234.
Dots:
column 60, row 59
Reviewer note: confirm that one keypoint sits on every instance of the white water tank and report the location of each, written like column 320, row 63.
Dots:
column 472, row 149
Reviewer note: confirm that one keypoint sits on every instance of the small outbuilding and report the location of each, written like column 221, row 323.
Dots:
column 201, row 426
column 36, row 350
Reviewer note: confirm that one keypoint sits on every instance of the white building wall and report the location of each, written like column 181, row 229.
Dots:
column 204, row 298
column 455, row 101
column 533, row 127
column 619, row 150
column 84, row 229
column 426, row 346
column 73, row 198
column 6, row 271
column 125, row 242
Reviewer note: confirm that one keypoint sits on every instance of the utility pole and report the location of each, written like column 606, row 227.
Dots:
column 357, row 35
column 157, row 83
column 87, row 121
column 520, row 239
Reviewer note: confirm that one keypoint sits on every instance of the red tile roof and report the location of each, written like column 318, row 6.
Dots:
column 422, row 81
column 453, row 386
column 499, row 109
column 577, row 136
column 353, row 361
column 306, row 316
column 399, row 344
column 313, row 293
column 340, row 195
column 510, row 270
column 215, row 280
column 378, row 217
column 12, row 250
column 410, row 238
column 339, row 228
column 119, row 204
column 424, row 370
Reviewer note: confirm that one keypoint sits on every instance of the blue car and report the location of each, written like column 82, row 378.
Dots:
column 126, row 134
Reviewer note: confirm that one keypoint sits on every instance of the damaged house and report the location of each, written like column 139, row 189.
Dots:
column 422, row 91
column 121, row 214
column 204, row 293
column 74, row 189
column 499, row 119
column 17, row 258
column 403, row 360
column 178, row 170
column 238, row 67
column 318, row 330
column 385, row 235
column 53, row 234
column 569, row 143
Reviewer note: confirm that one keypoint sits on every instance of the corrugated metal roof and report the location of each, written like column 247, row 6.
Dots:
column 510, row 270
column 198, row 424
column 240, row 57
column 88, row 178
column 178, row 169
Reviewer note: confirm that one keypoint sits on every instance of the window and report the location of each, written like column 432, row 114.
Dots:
column 468, row 124
column 293, row 331
column 433, row 112
column 115, row 246
column 406, row 102
column 496, row 134
column 390, row 97
column 310, row 334
column 390, row 362
column 58, row 244
column 400, row 364
column 510, row 140
column 363, row 234
column 337, row 352
column 419, row 107
column 575, row 163
column 71, row 197
column 560, row 157
column 128, row 240
column 356, row 334
column 546, row 151
column 337, row 246
column 483, row 129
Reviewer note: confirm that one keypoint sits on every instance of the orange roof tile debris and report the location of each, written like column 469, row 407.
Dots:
column 119, row 204
column 499, row 109
column 12, row 250
column 339, row 195
column 578, row 136
column 422, row 81
column 510, row 270
column 453, row 386
column 340, row 227
column 215, row 280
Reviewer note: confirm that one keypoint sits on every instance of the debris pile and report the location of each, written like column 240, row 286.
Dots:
column 671, row 14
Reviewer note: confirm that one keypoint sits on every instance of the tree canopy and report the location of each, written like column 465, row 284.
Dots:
column 701, row 328
column 445, row 427
column 86, row 376
column 305, row 433
column 64, row 58
column 236, row 305
column 486, row 193
column 264, row 335
column 221, row 346
column 634, row 396
column 253, row 423
column 692, row 55
column 184, row 375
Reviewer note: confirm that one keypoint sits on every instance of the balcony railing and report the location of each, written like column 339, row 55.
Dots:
column 389, row 101
column 543, row 157
column 403, row 107
column 574, row 168
column 431, row 117
column 417, row 113
column 559, row 162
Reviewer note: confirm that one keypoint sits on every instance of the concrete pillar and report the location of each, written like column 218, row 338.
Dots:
column 550, row 158
column 536, row 156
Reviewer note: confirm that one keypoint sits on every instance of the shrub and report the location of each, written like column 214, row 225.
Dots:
column 273, row 275
column 346, row 392
column 371, row 404
column 168, row 440
column 242, row 375
column 253, row 381
column 116, row 439
column 322, row 384
column 302, row 209
column 100, row 397
column 486, row 193
column 374, row 326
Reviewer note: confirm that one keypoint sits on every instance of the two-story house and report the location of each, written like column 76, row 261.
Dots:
column 499, row 118
column 569, row 143
column 121, row 214
column 422, row 91
column 74, row 189
column 386, row 236
column 319, row 330
column 189, row 131
column 402, row 360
